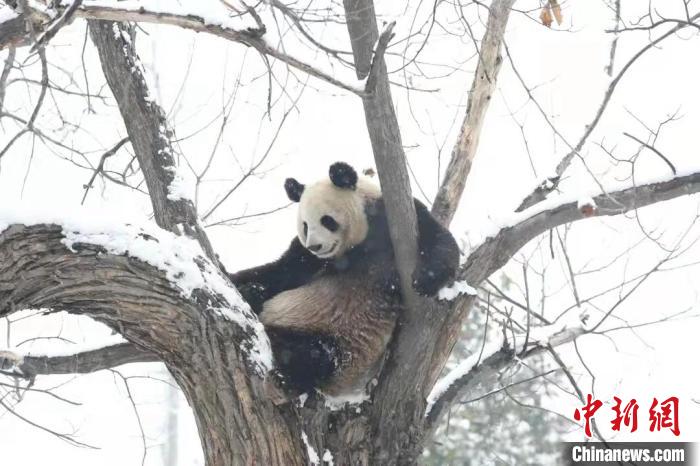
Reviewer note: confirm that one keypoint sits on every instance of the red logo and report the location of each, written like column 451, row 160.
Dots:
column 662, row 415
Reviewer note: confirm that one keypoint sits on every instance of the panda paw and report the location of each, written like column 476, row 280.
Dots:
column 425, row 281
column 253, row 294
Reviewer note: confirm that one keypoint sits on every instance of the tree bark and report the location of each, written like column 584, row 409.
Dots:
column 148, row 129
column 208, row 353
column 237, row 421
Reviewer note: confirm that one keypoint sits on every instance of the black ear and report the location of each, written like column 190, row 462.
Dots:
column 294, row 189
column 343, row 175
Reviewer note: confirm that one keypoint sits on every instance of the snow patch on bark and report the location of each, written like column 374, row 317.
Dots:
column 328, row 457
column 313, row 456
column 335, row 403
column 180, row 187
column 448, row 293
column 211, row 12
column 180, row 258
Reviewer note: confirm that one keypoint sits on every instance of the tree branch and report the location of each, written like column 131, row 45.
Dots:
column 552, row 183
column 149, row 304
column 83, row 362
column 486, row 372
column 13, row 32
column 385, row 137
column 483, row 86
column 495, row 252
column 148, row 131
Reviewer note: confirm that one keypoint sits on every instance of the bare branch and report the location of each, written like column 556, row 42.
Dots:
column 14, row 33
column 375, row 68
column 483, row 86
column 653, row 149
column 31, row 365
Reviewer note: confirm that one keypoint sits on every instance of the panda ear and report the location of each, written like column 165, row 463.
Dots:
column 294, row 189
column 343, row 175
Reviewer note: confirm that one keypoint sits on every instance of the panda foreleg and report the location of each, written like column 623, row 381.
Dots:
column 295, row 268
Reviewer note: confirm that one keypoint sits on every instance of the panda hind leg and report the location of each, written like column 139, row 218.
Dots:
column 303, row 361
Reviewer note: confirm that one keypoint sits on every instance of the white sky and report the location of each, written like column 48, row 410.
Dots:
column 328, row 125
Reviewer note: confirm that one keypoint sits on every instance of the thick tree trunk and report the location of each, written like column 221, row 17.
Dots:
column 239, row 420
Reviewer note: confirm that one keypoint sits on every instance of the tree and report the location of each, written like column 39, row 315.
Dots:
column 164, row 289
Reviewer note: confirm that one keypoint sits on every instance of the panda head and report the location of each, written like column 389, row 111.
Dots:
column 331, row 217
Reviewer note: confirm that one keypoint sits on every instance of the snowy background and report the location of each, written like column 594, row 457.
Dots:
column 198, row 78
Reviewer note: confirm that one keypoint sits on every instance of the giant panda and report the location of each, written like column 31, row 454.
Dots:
column 331, row 302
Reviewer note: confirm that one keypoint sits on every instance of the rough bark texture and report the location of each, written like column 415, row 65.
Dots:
column 148, row 130
column 399, row 400
column 237, row 420
column 238, row 423
column 87, row 361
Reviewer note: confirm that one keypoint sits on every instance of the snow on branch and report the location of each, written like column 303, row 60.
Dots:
column 149, row 132
column 494, row 358
column 181, row 259
column 496, row 245
column 207, row 16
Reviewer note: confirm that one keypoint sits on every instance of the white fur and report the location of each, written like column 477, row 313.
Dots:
column 346, row 206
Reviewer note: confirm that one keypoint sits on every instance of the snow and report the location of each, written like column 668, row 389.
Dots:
column 490, row 227
column 211, row 12
column 448, row 293
column 563, row 330
column 586, row 201
column 179, row 257
column 7, row 14
column 180, row 188
column 313, row 456
column 335, row 403
column 328, row 457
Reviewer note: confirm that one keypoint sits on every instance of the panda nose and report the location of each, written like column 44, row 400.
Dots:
column 314, row 247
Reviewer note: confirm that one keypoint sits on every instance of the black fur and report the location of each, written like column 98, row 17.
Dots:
column 343, row 175
column 294, row 269
column 294, row 189
column 306, row 361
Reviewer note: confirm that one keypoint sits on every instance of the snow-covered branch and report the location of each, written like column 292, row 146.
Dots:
column 484, row 367
column 209, row 16
column 508, row 237
column 504, row 240
column 551, row 183
column 149, row 132
column 155, row 288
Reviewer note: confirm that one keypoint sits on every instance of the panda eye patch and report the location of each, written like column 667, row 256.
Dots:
column 329, row 222
column 306, row 229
